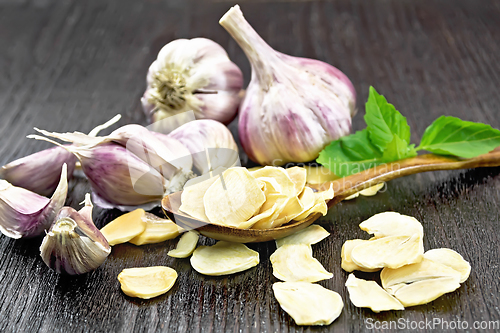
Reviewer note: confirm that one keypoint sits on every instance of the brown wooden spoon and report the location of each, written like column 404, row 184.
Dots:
column 342, row 187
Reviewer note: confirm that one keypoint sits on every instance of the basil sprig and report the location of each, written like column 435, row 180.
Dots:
column 387, row 138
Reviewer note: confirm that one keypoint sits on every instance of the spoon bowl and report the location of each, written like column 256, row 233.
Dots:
column 342, row 187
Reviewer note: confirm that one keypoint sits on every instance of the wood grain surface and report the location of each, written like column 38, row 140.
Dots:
column 70, row 65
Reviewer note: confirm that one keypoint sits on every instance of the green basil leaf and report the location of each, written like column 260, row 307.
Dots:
column 398, row 149
column 384, row 121
column 452, row 136
column 350, row 154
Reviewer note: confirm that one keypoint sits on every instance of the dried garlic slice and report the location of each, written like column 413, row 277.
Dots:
column 392, row 224
column 425, row 291
column 125, row 227
column 368, row 294
column 319, row 204
column 367, row 192
column 424, row 270
column 390, row 251
column 157, row 230
column 223, row 258
column 294, row 262
column 233, row 198
column 186, row 245
column 280, row 175
column 308, row 303
column 147, row 282
column 307, row 198
column 298, row 175
column 271, row 186
column 347, row 264
column 451, row 259
column 318, row 174
column 310, row 235
column 192, row 198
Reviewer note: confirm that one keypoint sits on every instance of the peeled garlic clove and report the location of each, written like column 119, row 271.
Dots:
column 368, row 294
column 210, row 143
column 74, row 245
column 223, row 258
column 39, row 172
column 392, row 224
column 308, row 303
column 390, row 251
column 147, row 282
column 310, row 235
column 186, row 245
column 424, row 270
column 347, row 264
column 157, row 230
column 233, row 198
column 293, row 107
column 294, row 262
column 27, row 214
column 425, row 291
column 451, row 259
column 125, row 227
column 194, row 74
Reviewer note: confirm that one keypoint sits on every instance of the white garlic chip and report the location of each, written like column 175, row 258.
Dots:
column 233, row 198
column 294, row 262
column 347, row 264
column 424, row 270
column 186, row 245
column 310, row 235
column 451, row 259
column 298, row 175
column 367, row 192
column 425, row 291
column 368, row 294
column 308, row 303
column 392, row 224
column 223, row 258
column 192, row 198
column 390, row 251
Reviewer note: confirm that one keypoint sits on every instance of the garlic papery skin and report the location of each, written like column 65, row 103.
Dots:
column 73, row 244
column 293, row 107
column 192, row 74
column 210, row 143
column 39, row 172
column 26, row 214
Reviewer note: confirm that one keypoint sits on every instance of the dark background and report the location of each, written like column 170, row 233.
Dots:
column 71, row 65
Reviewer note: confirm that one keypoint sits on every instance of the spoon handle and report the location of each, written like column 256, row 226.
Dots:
column 346, row 186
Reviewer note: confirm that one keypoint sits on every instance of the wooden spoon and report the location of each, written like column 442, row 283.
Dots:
column 342, row 187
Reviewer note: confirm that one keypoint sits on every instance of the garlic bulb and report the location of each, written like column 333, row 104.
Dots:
column 39, row 172
column 192, row 74
column 293, row 107
column 26, row 214
column 73, row 244
column 211, row 144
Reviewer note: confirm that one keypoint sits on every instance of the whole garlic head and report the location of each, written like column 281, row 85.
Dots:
column 293, row 107
column 193, row 74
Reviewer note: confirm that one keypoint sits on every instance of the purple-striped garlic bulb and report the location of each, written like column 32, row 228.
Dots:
column 293, row 107
column 192, row 75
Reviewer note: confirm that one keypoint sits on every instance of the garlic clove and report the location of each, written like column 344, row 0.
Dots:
column 196, row 75
column 125, row 227
column 73, row 245
column 293, row 107
column 36, row 172
column 27, row 214
column 147, row 282
column 157, row 230
column 186, row 245
column 210, row 143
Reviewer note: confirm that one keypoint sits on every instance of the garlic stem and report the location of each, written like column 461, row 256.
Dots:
column 251, row 43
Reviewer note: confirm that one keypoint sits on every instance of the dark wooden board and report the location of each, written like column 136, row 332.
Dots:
column 70, row 65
